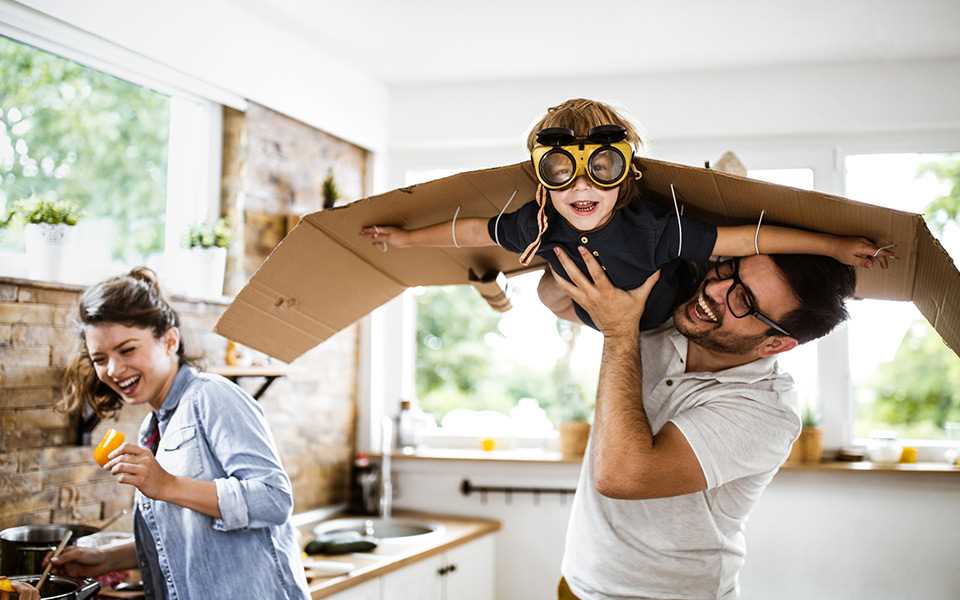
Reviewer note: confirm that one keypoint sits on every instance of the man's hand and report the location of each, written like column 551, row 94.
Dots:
column 614, row 311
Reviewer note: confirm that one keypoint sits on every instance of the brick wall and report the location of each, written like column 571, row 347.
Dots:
column 273, row 172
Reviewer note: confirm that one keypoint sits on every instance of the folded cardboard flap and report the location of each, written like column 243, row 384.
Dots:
column 324, row 276
column 489, row 289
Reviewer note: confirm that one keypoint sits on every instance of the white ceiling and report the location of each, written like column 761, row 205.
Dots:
column 403, row 42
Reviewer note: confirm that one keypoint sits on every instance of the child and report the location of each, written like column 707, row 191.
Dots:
column 582, row 153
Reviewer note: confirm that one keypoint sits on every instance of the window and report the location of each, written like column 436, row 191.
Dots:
column 905, row 379
column 801, row 362
column 115, row 149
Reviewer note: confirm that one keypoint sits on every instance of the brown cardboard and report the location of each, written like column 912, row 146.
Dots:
column 323, row 276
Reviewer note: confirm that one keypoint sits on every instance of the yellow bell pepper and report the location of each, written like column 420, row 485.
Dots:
column 6, row 585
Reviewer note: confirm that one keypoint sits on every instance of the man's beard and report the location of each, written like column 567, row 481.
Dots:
column 713, row 339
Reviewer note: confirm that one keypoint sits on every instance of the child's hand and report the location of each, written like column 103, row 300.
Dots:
column 384, row 235
column 861, row 252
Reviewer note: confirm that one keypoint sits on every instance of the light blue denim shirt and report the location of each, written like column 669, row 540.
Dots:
column 212, row 430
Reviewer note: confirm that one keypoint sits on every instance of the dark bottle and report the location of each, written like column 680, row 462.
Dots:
column 364, row 486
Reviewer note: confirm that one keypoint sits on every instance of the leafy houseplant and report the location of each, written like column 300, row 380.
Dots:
column 809, row 445
column 207, row 249
column 330, row 191
column 574, row 427
column 47, row 221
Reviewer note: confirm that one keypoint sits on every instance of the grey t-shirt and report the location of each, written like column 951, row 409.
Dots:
column 740, row 423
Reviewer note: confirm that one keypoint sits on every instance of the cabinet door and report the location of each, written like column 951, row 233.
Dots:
column 369, row 590
column 419, row 581
column 473, row 575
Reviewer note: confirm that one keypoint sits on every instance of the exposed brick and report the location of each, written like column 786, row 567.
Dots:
column 27, row 397
column 44, row 296
column 34, row 518
column 45, row 499
column 31, row 419
column 73, row 475
column 6, row 334
column 15, row 312
column 8, row 462
column 49, row 458
column 14, row 376
column 43, row 335
column 8, row 292
column 40, row 438
column 15, row 485
column 28, row 356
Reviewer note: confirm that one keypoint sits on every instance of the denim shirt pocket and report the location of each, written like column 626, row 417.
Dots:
column 179, row 452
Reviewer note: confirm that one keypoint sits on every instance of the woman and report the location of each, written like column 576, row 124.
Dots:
column 213, row 503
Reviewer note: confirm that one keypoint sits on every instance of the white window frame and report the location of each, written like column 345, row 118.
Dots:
column 390, row 333
column 196, row 115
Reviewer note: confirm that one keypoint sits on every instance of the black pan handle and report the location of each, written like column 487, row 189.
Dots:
column 88, row 589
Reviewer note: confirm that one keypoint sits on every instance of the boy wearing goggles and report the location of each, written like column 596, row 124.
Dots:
column 589, row 195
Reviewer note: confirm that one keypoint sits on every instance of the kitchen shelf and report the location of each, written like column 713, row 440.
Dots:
column 269, row 373
column 920, row 467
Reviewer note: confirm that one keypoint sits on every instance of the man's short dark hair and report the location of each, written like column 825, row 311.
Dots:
column 821, row 284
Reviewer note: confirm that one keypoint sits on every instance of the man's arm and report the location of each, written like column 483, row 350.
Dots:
column 629, row 462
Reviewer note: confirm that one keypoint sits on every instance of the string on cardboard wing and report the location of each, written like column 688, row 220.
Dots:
column 496, row 224
column 756, row 235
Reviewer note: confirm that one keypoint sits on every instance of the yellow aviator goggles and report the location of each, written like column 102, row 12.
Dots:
column 603, row 155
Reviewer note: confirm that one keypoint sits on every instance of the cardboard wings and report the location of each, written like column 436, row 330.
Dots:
column 324, row 276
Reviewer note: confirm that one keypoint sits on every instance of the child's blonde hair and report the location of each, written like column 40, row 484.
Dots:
column 581, row 115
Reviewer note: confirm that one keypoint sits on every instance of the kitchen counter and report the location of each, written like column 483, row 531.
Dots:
column 397, row 553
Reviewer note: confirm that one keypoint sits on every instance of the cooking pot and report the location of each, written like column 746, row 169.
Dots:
column 58, row 587
column 23, row 548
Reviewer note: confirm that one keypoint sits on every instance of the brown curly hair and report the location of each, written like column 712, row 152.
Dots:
column 133, row 299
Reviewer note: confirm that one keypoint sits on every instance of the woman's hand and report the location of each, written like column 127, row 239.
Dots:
column 384, row 235
column 24, row 591
column 137, row 466
column 82, row 562
column 861, row 252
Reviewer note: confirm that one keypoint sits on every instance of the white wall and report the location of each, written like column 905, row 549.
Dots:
column 221, row 44
column 855, row 536
column 484, row 123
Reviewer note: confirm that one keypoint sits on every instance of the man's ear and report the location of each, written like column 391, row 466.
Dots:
column 775, row 345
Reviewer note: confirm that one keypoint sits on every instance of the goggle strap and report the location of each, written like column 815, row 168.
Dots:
column 527, row 256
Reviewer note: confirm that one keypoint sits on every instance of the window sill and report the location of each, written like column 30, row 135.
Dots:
column 504, row 456
column 73, row 287
column 920, row 467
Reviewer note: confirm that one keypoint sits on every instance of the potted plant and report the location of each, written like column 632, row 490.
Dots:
column 207, row 247
column 809, row 446
column 47, row 222
column 574, row 425
column 330, row 191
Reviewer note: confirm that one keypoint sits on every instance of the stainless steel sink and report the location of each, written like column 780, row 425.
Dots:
column 381, row 529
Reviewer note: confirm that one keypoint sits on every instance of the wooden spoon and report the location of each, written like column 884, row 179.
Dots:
column 56, row 553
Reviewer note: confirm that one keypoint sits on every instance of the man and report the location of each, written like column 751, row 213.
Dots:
column 692, row 422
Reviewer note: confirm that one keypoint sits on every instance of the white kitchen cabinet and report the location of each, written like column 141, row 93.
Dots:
column 462, row 573
column 472, row 577
column 368, row 590
column 423, row 580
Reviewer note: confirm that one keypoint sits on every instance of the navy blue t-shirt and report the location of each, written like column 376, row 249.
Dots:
column 639, row 239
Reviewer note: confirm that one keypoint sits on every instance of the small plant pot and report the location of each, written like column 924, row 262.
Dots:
column 206, row 266
column 812, row 444
column 573, row 438
column 46, row 249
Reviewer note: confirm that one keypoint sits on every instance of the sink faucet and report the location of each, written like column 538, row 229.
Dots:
column 386, row 484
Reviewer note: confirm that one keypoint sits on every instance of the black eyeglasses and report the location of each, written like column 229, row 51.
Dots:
column 740, row 299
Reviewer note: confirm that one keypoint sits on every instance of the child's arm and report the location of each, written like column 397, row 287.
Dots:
column 853, row 251
column 471, row 233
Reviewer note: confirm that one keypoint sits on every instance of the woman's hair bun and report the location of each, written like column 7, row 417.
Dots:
column 145, row 275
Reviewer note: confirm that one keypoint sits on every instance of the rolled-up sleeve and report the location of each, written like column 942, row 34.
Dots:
column 256, row 491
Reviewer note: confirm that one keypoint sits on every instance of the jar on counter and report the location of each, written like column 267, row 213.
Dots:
column 884, row 449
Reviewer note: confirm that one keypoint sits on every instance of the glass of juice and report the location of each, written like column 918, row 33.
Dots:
column 112, row 440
